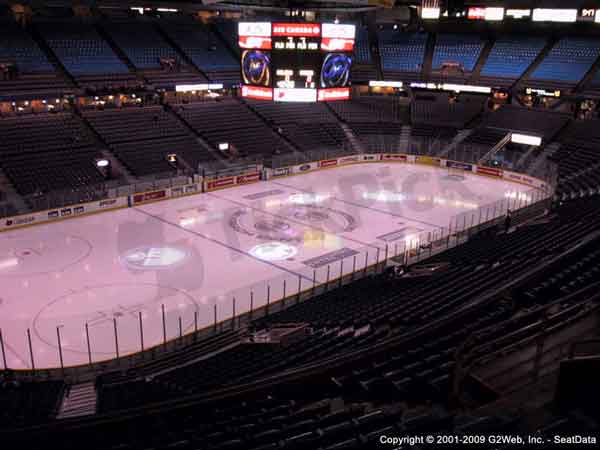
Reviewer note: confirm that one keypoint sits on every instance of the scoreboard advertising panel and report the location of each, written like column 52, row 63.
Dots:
column 296, row 62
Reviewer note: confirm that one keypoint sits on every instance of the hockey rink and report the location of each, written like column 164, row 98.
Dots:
column 185, row 256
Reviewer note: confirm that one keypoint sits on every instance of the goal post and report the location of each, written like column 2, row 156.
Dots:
column 455, row 173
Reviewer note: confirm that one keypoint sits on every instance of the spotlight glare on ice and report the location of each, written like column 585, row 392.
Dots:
column 187, row 222
column 273, row 251
column 8, row 263
column 273, row 203
column 308, row 198
column 411, row 240
column 384, row 196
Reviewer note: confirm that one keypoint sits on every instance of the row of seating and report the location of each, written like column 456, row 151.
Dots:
column 463, row 49
column 511, row 55
column 539, row 122
column 81, row 49
column 48, row 152
column 86, row 55
column 206, row 51
column 376, row 121
column 577, row 158
column 402, row 390
column 338, row 320
column 346, row 308
column 310, row 126
column 16, row 45
column 28, row 403
column 362, row 50
column 569, row 60
column 372, row 109
column 36, row 74
column 455, row 115
column 401, row 52
column 229, row 121
column 142, row 137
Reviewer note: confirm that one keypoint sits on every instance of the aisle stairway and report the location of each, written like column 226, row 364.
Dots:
column 354, row 142
column 79, row 400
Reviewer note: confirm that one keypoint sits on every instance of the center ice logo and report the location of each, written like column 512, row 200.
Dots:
column 274, row 251
column 150, row 258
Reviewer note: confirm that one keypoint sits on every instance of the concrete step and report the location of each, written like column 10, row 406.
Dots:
column 78, row 400
column 355, row 143
column 460, row 137
column 404, row 139
column 120, row 171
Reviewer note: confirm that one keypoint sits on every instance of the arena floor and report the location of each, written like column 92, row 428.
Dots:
column 192, row 253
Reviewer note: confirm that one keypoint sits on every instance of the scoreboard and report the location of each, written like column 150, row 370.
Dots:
column 296, row 62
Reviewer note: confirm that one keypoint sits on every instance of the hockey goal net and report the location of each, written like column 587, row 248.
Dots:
column 456, row 173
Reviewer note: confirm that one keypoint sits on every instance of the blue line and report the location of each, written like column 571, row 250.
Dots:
column 214, row 241
column 358, row 205
column 294, row 221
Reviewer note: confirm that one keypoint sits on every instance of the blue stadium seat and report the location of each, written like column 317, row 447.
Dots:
column 362, row 53
column 402, row 52
column 142, row 44
column 512, row 55
column 17, row 46
column 81, row 49
column 204, row 48
column 569, row 60
column 460, row 48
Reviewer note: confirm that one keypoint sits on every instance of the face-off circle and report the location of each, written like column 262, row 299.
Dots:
column 99, row 305
column 327, row 219
column 271, row 226
column 264, row 227
column 311, row 216
column 41, row 253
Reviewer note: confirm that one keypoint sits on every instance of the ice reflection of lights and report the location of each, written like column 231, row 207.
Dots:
column 411, row 240
column 396, row 197
column 200, row 218
column 8, row 263
column 452, row 203
column 187, row 222
column 384, row 196
column 273, row 251
column 521, row 196
column 273, row 203
column 308, row 198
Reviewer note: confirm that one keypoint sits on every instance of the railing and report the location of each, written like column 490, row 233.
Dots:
column 293, row 159
column 110, row 189
column 173, row 328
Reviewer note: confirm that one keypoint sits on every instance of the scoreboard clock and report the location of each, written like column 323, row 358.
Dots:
column 296, row 61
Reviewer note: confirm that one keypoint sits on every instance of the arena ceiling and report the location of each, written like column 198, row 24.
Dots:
column 330, row 5
column 225, row 4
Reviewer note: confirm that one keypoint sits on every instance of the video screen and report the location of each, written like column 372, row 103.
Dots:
column 296, row 62
column 256, row 68
column 335, row 70
column 296, row 70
